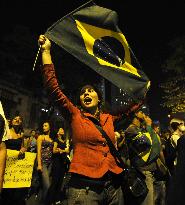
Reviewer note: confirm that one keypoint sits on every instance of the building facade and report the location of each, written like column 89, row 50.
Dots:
column 19, row 101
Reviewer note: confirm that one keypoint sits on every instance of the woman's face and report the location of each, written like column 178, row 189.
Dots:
column 33, row 133
column 60, row 131
column 46, row 127
column 89, row 98
column 167, row 135
column 17, row 120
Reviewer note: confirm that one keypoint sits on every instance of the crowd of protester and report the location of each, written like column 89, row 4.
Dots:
column 51, row 163
column 53, row 160
column 95, row 176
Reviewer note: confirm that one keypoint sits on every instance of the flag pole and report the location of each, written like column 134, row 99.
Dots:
column 36, row 58
column 136, row 59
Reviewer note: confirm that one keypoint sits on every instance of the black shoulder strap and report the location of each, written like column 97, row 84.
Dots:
column 112, row 148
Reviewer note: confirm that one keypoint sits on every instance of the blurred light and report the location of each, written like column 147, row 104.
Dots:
column 44, row 110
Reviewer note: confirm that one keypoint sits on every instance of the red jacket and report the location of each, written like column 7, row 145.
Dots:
column 91, row 154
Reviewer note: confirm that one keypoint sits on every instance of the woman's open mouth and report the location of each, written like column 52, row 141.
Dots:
column 87, row 101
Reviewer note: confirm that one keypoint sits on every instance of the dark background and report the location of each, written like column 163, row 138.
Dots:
column 148, row 26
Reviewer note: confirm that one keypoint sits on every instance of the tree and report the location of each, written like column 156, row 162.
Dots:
column 174, row 84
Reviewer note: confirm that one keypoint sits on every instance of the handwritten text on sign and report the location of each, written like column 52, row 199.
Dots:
column 18, row 172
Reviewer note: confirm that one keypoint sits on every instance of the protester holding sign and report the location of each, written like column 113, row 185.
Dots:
column 16, row 142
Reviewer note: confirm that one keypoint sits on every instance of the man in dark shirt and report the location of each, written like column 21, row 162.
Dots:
column 144, row 149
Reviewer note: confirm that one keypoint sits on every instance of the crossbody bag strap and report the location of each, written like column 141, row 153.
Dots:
column 116, row 154
column 112, row 148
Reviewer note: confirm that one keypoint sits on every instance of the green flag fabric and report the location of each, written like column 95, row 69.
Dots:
column 91, row 34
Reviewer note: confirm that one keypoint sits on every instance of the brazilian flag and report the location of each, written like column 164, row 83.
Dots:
column 91, row 34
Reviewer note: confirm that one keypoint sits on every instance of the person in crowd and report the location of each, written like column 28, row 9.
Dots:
column 156, row 127
column 44, row 159
column 168, row 150
column 144, row 150
column 177, row 126
column 19, row 143
column 3, row 153
column 17, row 140
column 95, row 175
column 60, row 165
column 160, row 181
column 35, row 183
column 32, row 142
column 176, row 190
column 165, row 136
column 122, row 146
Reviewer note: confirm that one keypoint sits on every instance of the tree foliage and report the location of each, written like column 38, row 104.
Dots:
column 174, row 84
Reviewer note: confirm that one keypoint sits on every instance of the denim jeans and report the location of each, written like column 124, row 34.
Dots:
column 149, row 200
column 160, row 192
column 106, row 194
column 46, row 182
column 157, row 190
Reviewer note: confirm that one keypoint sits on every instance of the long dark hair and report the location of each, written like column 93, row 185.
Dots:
column 52, row 129
column 18, row 128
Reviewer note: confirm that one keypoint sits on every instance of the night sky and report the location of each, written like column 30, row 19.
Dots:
column 147, row 25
